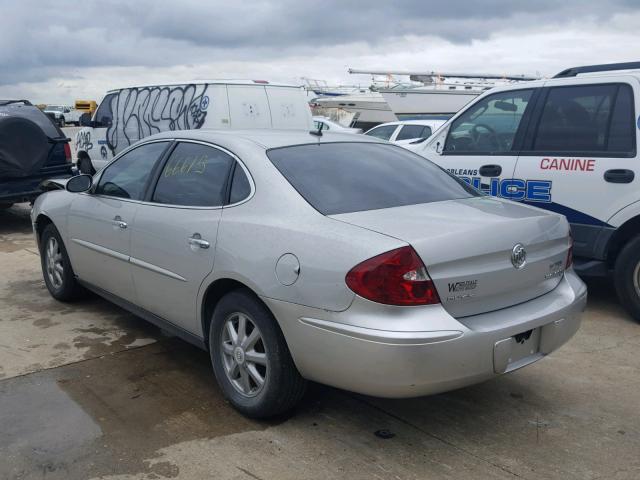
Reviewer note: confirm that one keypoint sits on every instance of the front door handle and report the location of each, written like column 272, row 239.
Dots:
column 196, row 240
column 619, row 176
column 490, row 170
column 117, row 221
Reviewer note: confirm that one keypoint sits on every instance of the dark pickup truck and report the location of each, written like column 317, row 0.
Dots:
column 32, row 149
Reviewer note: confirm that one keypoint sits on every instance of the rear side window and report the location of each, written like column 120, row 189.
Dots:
column 488, row 126
column 350, row 177
column 195, row 175
column 383, row 133
column 127, row 176
column 413, row 131
column 240, row 186
column 587, row 118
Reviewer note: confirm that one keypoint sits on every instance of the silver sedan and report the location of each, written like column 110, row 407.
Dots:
column 293, row 256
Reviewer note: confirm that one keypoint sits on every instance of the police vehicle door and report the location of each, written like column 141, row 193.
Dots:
column 480, row 144
column 579, row 149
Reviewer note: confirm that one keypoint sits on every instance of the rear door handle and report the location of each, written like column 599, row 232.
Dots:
column 117, row 221
column 619, row 176
column 490, row 170
column 197, row 241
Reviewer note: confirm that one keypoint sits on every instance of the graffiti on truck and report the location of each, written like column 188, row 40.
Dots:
column 137, row 113
column 83, row 140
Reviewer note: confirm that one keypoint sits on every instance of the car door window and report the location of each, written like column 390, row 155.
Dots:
column 127, row 176
column 320, row 125
column 586, row 118
column 194, row 175
column 489, row 126
column 383, row 133
column 413, row 131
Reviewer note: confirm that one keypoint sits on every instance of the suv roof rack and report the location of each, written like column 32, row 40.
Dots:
column 606, row 67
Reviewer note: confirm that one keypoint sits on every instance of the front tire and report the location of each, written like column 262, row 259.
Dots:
column 250, row 357
column 85, row 166
column 56, row 267
column 627, row 277
column 62, row 122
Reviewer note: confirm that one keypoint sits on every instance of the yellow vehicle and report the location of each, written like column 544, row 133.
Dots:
column 86, row 106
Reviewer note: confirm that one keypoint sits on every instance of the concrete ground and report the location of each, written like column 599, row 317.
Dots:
column 89, row 391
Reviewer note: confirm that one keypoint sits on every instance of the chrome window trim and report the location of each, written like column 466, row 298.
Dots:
column 188, row 207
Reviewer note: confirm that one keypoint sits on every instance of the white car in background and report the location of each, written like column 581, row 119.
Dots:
column 324, row 124
column 63, row 114
column 406, row 132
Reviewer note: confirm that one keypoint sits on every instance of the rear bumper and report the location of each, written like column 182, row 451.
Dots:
column 25, row 189
column 408, row 358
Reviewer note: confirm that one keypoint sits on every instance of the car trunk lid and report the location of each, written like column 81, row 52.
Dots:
column 467, row 246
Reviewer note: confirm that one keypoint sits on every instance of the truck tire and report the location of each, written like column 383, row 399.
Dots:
column 61, row 122
column 85, row 166
column 627, row 277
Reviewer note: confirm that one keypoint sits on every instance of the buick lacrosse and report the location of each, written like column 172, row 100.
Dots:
column 292, row 257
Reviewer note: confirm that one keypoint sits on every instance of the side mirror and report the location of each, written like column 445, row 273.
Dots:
column 79, row 183
column 85, row 120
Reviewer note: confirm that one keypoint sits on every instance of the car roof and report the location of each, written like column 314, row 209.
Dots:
column 264, row 138
column 256, row 83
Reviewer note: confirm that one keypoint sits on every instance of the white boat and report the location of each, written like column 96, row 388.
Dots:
column 436, row 95
column 360, row 110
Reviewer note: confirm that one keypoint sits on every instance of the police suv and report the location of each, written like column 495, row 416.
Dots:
column 567, row 144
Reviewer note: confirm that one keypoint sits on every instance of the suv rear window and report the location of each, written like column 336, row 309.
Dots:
column 351, row 177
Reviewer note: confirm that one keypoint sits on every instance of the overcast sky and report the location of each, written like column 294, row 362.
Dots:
column 59, row 51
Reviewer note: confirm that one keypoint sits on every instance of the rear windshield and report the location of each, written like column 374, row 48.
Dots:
column 352, row 177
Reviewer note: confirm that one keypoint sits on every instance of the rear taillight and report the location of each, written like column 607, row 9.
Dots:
column 569, row 261
column 397, row 277
column 67, row 152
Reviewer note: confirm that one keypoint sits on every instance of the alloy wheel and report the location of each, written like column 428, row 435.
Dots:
column 244, row 355
column 53, row 262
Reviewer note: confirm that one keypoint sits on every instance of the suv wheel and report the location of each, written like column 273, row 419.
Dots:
column 627, row 277
column 56, row 267
column 85, row 166
column 62, row 122
column 250, row 357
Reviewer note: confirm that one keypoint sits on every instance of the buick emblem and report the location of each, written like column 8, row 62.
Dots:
column 518, row 256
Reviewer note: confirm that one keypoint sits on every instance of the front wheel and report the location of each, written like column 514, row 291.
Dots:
column 56, row 267
column 250, row 357
column 85, row 166
column 62, row 122
column 627, row 277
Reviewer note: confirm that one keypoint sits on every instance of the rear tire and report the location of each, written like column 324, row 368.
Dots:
column 62, row 122
column 256, row 375
column 627, row 277
column 56, row 267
